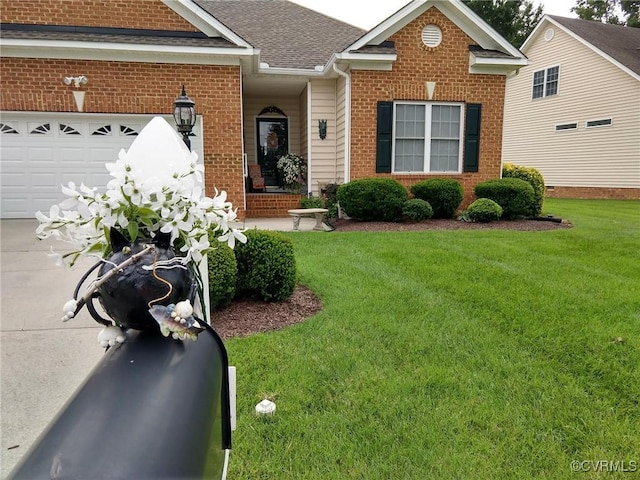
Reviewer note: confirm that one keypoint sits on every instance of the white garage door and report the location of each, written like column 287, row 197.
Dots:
column 41, row 151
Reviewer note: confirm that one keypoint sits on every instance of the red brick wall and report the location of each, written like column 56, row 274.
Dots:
column 271, row 205
column 28, row 84
column 448, row 66
column 146, row 14
column 594, row 192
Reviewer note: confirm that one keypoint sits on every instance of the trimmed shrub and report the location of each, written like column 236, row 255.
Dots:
column 533, row 177
column 483, row 210
column 373, row 199
column 311, row 202
column 515, row 196
column 223, row 271
column 417, row 210
column 266, row 266
column 443, row 194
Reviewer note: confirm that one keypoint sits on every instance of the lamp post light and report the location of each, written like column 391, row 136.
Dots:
column 184, row 114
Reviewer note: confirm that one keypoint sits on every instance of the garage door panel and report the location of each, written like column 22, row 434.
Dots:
column 13, row 180
column 41, row 151
column 41, row 156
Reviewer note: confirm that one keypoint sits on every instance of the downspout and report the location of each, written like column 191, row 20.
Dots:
column 309, row 138
column 244, row 167
column 347, row 122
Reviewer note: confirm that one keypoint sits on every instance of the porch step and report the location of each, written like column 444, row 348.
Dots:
column 271, row 205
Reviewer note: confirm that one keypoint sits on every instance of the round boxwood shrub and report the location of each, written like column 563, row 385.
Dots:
column 373, row 199
column 483, row 210
column 533, row 177
column 223, row 271
column 266, row 266
column 443, row 194
column 515, row 196
column 417, row 210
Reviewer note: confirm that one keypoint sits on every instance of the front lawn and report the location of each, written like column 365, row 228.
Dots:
column 453, row 354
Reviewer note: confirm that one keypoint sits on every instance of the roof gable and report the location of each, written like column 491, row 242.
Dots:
column 617, row 44
column 467, row 20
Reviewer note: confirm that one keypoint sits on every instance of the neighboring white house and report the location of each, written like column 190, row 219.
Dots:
column 574, row 112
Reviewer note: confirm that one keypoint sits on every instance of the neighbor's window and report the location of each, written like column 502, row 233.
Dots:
column 605, row 122
column 566, row 126
column 545, row 82
column 427, row 137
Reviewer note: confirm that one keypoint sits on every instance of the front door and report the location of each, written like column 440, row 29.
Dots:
column 273, row 142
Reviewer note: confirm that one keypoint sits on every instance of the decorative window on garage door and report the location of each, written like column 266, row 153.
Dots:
column 69, row 129
column 39, row 129
column 5, row 128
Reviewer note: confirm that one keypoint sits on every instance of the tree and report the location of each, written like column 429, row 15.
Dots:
column 513, row 19
column 618, row 12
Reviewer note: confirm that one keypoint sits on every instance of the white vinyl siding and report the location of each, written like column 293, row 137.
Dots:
column 253, row 105
column 324, row 152
column 427, row 137
column 607, row 157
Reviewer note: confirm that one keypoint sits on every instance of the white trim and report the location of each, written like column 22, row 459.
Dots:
column 555, row 128
column 541, row 25
column 347, row 123
column 455, row 10
column 125, row 52
column 309, row 137
column 204, row 21
column 225, row 468
column 601, row 119
column 544, row 82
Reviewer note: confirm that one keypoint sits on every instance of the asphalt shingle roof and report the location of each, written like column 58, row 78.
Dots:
column 619, row 42
column 287, row 34
column 107, row 35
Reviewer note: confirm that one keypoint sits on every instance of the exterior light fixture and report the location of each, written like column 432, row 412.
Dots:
column 184, row 114
column 322, row 129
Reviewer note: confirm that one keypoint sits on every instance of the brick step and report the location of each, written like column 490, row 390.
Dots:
column 271, row 205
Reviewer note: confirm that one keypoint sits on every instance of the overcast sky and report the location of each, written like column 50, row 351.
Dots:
column 368, row 13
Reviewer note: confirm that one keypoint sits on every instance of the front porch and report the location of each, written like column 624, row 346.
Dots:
column 271, row 205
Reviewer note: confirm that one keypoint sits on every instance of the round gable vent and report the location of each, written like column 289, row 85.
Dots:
column 431, row 36
column 548, row 34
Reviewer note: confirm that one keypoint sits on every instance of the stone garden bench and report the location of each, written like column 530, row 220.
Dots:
column 317, row 213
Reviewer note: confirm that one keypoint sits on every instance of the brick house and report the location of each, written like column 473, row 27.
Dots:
column 420, row 95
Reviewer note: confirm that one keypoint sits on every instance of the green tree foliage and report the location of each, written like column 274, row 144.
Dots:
column 513, row 19
column 618, row 12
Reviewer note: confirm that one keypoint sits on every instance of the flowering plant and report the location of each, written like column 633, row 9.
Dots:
column 140, row 200
column 292, row 169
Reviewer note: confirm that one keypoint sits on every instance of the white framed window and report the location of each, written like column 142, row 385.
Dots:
column 545, row 82
column 427, row 137
column 603, row 122
column 563, row 127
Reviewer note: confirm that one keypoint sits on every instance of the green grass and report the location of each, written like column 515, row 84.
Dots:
column 452, row 354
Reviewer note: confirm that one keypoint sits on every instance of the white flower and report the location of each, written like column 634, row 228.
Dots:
column 231, row 236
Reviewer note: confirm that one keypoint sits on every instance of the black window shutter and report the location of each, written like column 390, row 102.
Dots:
column 472, row 138
column 384, row 137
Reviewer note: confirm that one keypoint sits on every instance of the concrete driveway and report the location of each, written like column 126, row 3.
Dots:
column 43, row 360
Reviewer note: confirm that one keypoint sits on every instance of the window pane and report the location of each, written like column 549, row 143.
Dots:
column 444, row 155
column 409, row 156
column 538, row 84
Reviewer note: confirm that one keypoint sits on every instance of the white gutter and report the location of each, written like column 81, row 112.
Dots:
column 122, row 52
column 347, row 122
column 309, row 137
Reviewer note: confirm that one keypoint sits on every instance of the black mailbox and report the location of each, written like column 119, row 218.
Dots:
column 152, row 408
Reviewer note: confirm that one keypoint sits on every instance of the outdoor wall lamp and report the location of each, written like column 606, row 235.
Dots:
column 184, row 114
column 322, row 129
column 78, row 95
